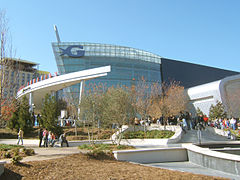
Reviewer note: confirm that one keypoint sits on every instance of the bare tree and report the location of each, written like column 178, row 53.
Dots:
column 3, row 34
column 92, row 107
column 9, row 75
column 141, row 94
column 118, row 108
column 167, row 99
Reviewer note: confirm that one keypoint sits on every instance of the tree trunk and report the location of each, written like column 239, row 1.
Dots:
column 75, row 128
column 119, row 136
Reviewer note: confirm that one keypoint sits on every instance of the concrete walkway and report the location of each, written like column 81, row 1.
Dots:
column 26, row 142
column 192, row 137
column 192, row 168
column 49, row 153
column 43, row 153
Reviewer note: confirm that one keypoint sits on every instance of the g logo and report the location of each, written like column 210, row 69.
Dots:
column 68, row 51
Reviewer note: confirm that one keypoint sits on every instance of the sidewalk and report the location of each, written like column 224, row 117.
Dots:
column 42, row 153
column 26, row 142
column 49, row 153
column 35, row 142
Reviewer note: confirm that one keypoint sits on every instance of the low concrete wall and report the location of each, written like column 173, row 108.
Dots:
column 205, row 157
column 2, row 167
column 152, row 155
column 228, row 163
column 177, row 136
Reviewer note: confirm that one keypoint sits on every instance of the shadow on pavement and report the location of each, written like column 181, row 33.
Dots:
column 10, row 175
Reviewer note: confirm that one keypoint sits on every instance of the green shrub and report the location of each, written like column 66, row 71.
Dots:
column 86, row 146
column 104, row 147
column 121, row 147
column 28, row 152
column 16, row 159
column 99, row 154
column 15, row 151
column 96, row 153
column 7, row 154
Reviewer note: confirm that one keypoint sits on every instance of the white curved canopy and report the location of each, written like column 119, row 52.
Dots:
column 41, row 88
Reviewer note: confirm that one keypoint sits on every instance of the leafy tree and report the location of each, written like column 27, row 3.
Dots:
column 20, row 116
column 199, row 112
column 50, row 114
column 24, row 116
column 217, row 111
column 13, row 121
column 7, row 111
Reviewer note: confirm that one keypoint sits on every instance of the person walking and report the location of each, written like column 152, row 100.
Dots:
column 20, row 136
column 205, row 119
column 40, row 135
column 53, row 139
column 45, row 138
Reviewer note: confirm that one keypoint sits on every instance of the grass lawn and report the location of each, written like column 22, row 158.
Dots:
column 82, row 133
column 6, row 147
column 104, row 147
column 154, row 134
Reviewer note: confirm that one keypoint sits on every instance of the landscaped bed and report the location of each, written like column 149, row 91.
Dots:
column 14, row 151
column 80, row 166
column 105, row 147
column 154, row 134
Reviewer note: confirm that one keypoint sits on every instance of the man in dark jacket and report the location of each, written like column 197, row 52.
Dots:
column 40, row 135
column 200, row 122
column 63, row 139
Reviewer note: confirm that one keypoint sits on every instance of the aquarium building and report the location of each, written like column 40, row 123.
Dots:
column 129, row 65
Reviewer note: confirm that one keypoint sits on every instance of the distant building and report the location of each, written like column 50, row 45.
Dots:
column 16, row 73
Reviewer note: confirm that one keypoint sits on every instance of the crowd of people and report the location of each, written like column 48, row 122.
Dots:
column 188, row 122
column 48, row 138
column 231, row 123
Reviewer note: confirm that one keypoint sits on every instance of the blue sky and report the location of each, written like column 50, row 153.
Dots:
column 204, row 32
